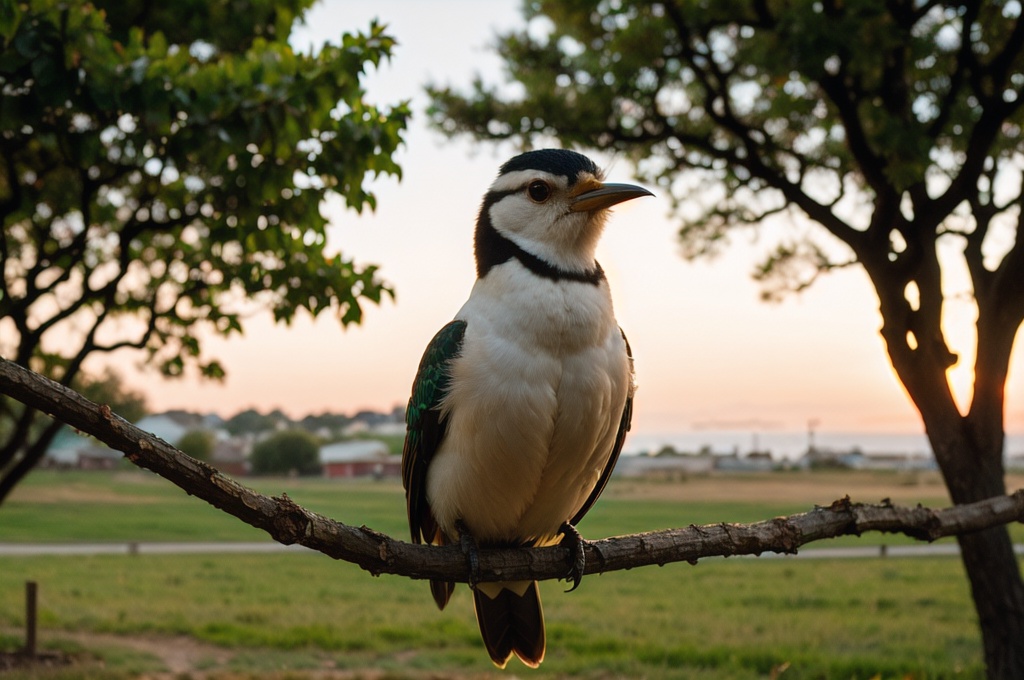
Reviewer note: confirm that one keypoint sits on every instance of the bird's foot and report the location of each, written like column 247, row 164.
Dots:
column 469, row 549
column 577, row 554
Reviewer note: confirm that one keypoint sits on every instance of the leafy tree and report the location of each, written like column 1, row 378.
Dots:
column 335, row 422
column 109, row 389
column 198, row 443
column 286, row 452
column 894, row 126
column 250, row 421
column 161, row 168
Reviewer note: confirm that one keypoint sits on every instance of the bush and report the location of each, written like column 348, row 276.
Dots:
column 198, row 444
column 286, row 452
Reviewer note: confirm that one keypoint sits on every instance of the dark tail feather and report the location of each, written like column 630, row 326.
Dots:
column 442, row 592
column 510, row 624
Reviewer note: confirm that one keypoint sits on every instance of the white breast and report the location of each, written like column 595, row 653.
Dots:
column 535, row 403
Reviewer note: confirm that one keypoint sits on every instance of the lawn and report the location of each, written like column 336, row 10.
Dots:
column 253, row 614
column 133, row 505
column 738, row 618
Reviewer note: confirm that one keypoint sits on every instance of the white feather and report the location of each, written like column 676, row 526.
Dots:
column 534, row 406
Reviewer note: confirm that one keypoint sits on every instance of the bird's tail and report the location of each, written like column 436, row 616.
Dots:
column 511, row 624
column 441, row 590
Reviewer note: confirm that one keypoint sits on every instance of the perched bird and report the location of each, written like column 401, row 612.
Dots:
column 521, row 404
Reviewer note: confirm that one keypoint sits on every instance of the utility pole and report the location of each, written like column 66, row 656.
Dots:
column 811, row 424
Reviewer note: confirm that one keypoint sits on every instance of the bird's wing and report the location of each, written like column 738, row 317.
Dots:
column 425, row 427
column 624, row 423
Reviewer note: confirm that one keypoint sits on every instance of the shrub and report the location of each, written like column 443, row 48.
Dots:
column 198, row 444
column 288, row 452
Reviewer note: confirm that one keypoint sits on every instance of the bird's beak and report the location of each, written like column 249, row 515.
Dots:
column 595, row 196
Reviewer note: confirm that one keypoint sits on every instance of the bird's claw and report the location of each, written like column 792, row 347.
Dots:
column 577, row 554
column 469, row 549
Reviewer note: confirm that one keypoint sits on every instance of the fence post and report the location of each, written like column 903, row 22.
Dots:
column 31, row 591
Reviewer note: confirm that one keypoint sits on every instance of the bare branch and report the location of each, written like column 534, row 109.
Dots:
column 289, row 523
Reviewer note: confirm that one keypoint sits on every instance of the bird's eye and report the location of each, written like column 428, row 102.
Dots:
column 538, row 191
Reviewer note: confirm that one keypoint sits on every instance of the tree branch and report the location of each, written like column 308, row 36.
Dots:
column 289, row 523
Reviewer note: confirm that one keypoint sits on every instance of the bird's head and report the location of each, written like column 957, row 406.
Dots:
column 553, row 204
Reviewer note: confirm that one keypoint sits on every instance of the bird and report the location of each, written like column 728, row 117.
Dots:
column 521, row 404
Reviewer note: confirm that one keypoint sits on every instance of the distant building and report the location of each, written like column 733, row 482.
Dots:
column 642, row 465
column 98, row 458
column 894, row 461
column 63, row 450
column 360, row 458
column 389, row 429
column 758, row 461
column 72, row 450
column 231, row 456
column 828, row 459
column 172, row 425
column 855, row 459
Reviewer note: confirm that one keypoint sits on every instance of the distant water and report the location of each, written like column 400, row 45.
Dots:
column 792, row 445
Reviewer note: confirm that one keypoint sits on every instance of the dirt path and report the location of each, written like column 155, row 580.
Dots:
column 186, row 657
column 179, row 654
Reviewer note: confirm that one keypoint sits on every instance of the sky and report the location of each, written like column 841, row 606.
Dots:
column 710, row 356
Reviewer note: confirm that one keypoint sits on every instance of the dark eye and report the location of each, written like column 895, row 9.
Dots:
column 539, row 191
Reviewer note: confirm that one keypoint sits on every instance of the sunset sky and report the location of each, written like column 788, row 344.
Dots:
column 709, row 354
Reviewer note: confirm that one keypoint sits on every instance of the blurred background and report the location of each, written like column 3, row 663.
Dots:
column 747, row 409
column 715, row 364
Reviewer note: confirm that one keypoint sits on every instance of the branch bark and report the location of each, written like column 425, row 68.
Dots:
column 289, row 523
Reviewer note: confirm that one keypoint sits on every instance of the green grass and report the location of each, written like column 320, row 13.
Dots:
column 723, row 619
column 73, row 506
column 728, row 618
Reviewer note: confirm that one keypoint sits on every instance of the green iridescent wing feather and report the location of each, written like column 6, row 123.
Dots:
column 425, row 428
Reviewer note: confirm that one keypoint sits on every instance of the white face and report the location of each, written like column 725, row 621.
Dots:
column 538, row 217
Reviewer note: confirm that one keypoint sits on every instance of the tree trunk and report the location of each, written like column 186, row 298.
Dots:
column 999, row 598
column 968, row 449
column 34, row 453
column 974, row 471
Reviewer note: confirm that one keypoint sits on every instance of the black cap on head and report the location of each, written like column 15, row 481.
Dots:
column 562, row 162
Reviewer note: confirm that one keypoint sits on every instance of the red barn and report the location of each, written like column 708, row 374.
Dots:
column 359, row 458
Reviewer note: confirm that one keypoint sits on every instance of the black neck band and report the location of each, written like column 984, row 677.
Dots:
column 492, row 249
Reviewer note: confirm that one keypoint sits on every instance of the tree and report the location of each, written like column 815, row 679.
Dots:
column 198, row 443
column 161, row 168
column 110, row 389
column 291, row 451
column 894, row 126
column 333, row 422
column 251, row 421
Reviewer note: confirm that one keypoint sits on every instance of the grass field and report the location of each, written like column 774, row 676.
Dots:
column 304, row 615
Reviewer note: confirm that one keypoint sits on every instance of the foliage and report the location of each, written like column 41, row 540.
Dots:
column 198, row 443
column 252, row 421
column 109, row 389
column 334, row 422
column 287, row 452
column 740, row 110
column 161, row 170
